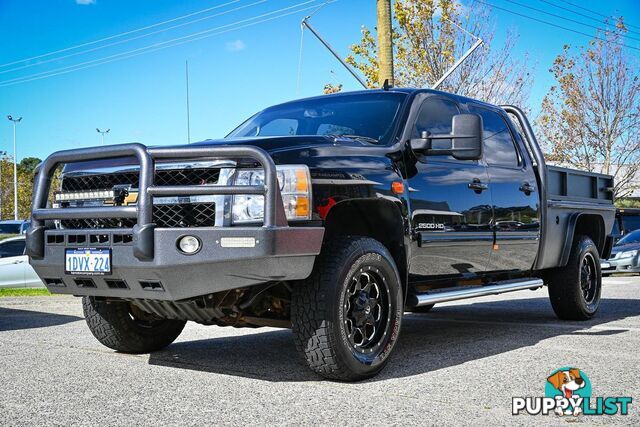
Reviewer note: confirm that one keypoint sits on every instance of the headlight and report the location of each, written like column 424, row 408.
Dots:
column 295, row 187
column 628, row 254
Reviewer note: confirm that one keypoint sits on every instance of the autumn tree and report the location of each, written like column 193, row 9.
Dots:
column 591, row 118
column 26, row 174
column 430, row 35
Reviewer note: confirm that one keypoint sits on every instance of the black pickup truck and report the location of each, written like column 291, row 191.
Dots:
column 330, row 215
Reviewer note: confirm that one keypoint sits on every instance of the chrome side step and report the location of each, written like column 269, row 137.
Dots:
column 458, row 293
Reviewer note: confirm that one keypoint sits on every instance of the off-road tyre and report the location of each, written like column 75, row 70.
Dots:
column 329, row 315
column 125, row 328
column 574, row 290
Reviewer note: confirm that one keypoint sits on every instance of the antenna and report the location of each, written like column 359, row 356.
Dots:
column 450, row 71
column 186, row 70
column 305, row 23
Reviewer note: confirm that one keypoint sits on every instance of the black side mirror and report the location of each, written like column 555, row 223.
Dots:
column 466, row 139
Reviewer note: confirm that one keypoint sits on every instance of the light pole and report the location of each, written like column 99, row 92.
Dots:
column 15, row 167
column 102, row 132
column 3, row 154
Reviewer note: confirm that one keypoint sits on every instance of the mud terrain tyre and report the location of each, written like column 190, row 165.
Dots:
column 346, row 316
column 125, row 328
column 574, row 290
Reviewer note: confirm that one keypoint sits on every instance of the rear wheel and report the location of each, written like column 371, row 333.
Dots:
column 346, row 317
column 574, row 290
column 123, row 327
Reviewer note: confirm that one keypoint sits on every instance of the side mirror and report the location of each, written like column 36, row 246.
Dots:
column 466, row 139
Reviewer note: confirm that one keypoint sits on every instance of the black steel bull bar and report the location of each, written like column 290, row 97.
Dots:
column 143, row 231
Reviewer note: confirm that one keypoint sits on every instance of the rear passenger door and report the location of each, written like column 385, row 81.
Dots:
column 514, row 193
column 450, row 202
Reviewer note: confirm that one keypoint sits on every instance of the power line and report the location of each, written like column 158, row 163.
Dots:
column 66, row 49
column 556, row 25
column 592, row 11
column 158, row 46
column 57, row 58
column 567, row 19
column 584, row 15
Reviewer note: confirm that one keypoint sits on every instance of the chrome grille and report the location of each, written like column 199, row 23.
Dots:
column 174, row 216
column 188, row 176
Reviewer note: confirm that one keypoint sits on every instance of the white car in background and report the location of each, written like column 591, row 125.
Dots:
column 15, row 270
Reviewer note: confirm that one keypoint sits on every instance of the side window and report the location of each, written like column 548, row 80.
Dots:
column 279, row 127
column 435, row 117
column 12, row 248
column 499, row 147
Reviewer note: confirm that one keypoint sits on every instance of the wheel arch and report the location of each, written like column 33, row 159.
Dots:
column 379, row 219
column 591, row 225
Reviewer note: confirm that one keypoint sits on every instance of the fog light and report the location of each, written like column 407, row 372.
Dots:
column 189, row 244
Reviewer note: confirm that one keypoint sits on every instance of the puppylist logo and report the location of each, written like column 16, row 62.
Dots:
column 568, row 392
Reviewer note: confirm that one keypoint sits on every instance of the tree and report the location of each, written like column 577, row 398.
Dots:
column 430, row 35
column 26, row 175
column 591, row 118
column 28, row 164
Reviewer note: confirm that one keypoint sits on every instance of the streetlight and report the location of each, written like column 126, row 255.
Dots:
column 15, row 167
column 102, row 132
column 3, row 154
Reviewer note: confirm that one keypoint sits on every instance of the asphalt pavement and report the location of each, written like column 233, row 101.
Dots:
column 460, row 364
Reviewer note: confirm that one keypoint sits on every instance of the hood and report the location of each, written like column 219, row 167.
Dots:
column 272, row 145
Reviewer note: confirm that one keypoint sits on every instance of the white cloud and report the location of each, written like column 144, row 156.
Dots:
column 235, row 46
column 85, row 2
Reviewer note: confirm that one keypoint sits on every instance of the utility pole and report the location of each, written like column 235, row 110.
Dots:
column 3, row 154
column 102, row 132
column 15, row 167
column 385, row 42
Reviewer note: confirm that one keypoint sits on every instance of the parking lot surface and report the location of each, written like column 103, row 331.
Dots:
column 460, row 364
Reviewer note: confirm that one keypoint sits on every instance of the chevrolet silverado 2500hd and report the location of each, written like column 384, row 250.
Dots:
column 331, row 215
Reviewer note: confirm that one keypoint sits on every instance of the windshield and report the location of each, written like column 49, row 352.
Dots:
column 9, row 228
column 369, row 116
column 633, row 237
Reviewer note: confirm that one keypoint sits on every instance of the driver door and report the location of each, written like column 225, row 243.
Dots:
column 450, row 203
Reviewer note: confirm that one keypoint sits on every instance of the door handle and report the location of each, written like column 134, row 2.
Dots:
column 527, row 188
column 478, row 186
column 18, row 262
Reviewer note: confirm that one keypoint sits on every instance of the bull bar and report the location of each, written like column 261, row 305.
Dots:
column 297, row 244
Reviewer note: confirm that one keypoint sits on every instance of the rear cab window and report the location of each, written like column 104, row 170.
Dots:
column 499, row 145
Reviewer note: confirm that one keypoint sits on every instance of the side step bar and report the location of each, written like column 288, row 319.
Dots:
column 458, row 293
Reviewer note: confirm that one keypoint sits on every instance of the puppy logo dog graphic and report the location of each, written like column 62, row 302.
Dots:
column 564, row 384
column 567, row 392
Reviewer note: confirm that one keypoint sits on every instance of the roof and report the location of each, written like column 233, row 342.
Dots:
column 405, row 90
column 13, row 221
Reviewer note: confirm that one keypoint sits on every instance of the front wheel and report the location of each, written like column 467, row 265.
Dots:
column 574, row 290
column 123, row 327
column 346, row 316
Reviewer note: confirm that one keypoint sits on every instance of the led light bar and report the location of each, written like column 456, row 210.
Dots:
column 84, row 195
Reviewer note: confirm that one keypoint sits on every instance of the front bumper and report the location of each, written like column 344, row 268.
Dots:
column 621, row 265
column 280, row 253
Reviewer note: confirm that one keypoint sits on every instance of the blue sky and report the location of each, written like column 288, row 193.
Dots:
column 232, row 74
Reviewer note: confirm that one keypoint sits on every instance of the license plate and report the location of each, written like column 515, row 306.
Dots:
column 90, row 262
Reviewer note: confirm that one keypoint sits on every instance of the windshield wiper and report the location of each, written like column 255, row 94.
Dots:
column 356, row 137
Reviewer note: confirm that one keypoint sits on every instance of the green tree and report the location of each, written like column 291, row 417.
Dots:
column 430, row 35
column 28, row 164
column 591, row 118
